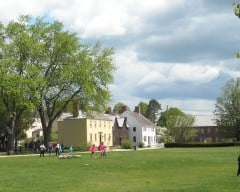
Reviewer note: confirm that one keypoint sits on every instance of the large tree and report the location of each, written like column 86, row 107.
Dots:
column 57, row 68
column 179, row 125
column 118, row 106
column 153, row 109
column 227, row 109
column 15, row 101
column 143, row 108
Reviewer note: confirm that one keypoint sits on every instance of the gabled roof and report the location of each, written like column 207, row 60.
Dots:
column 120, row 120
column 204, row 120
column 138, row 117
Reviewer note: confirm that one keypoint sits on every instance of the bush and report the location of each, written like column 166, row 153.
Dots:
column 126, row 144
column 169, row 145
column 84, row 146
column 141, row 144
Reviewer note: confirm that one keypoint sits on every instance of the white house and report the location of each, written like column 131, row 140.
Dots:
column 35, row 131
column 140, row 128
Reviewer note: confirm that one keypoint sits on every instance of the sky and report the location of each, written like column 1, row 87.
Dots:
column 179, row 52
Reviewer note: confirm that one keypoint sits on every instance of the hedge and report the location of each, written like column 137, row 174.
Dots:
column 171, row 145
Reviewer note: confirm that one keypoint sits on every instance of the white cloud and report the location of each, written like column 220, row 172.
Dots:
column 194, row 73
column 161, row 45
column 191, row 106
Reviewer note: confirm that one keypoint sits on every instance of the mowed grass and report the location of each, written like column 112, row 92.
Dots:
column 180, row 169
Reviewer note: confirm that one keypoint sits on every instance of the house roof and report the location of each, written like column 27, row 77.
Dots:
column 138, row 117
column 120, row 120
column 91, row 115
column 204, row 120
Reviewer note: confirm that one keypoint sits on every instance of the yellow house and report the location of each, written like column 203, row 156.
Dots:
column 79, row 131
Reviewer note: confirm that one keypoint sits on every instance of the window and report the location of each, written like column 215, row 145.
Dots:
column 202, row 131
column 105, row 137
column 134, row 139
column 95, row 137
column 209, row 130
column 145, row 138
column 90, row 124
column 134, row 129
column 95, row 124
column 91, row 137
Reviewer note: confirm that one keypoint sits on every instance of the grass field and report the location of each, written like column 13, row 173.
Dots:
column 191, row 169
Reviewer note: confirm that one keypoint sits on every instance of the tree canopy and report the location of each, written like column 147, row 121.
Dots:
column 227, row 109
column 44, row 67
column 143, row 108
column 153, row 109
column 179, row 125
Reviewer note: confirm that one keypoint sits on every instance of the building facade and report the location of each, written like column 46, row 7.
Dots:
column 207, row 129
column 141, row 130
column 87, row 130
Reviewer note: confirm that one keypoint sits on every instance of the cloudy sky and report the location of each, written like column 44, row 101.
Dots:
column 179, row 52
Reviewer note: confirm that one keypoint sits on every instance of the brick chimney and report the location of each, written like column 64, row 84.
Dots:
column 109, row 111
column 137, row 109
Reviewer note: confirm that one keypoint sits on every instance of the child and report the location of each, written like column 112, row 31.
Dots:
column 102, row 149
column 93, row 150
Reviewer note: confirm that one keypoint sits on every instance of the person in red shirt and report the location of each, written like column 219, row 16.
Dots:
column 93, row 150
column 102, row 149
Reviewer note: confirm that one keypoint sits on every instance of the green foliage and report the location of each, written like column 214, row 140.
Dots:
column 179, row 125
column 227, row 109
column 84, row 146
column 117, row 107
column 127, row 144
column 172, row 111
column 44, row 67
column 141, row 144
column 143, row 108
column 153, row 110
column 54, row 136
column 170, row 145
column 237, row 9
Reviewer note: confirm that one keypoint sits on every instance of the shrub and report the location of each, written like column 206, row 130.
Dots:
column 169, row 145
column 126, row 144
column 141, row 144
column 84, row 146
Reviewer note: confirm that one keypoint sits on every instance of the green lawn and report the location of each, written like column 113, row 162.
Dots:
column 193, row 170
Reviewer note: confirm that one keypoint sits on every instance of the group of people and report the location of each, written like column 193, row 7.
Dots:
column 59, row 149
column 102, row 148
column 55, row 146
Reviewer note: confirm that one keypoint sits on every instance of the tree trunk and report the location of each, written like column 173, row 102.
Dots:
column 46, row 135
column 10, row 139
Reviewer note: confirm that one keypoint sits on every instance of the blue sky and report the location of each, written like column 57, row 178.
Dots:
column 179, row 52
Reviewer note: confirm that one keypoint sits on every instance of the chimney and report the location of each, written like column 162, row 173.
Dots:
column 109, row 111
column 137, row 109
column 123, row 108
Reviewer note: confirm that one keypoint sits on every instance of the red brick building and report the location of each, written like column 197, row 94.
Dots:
column 207, row 130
